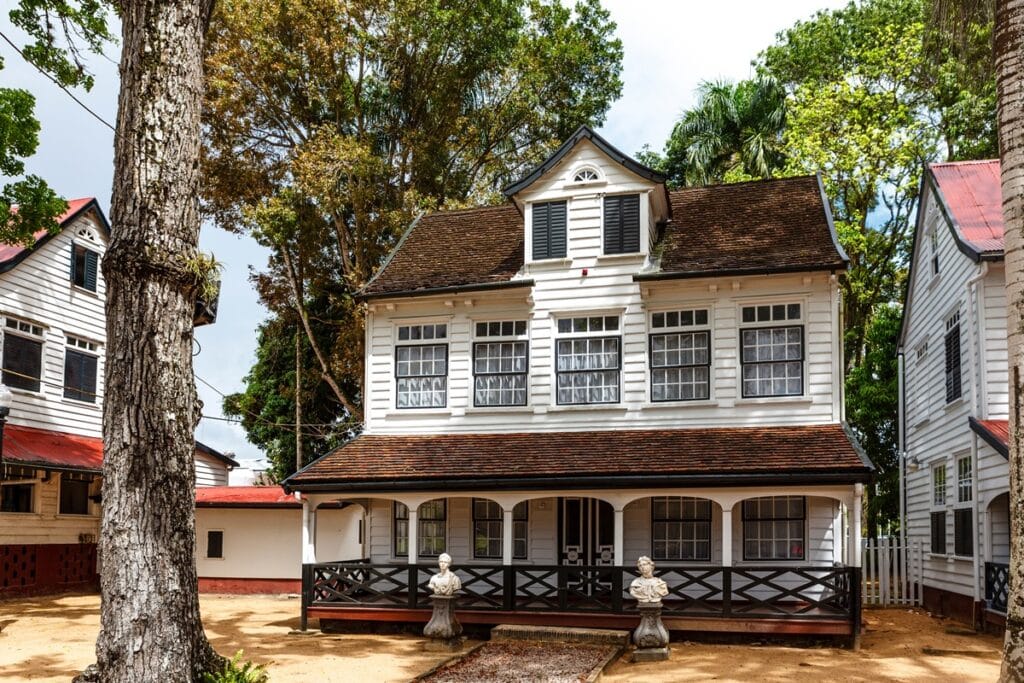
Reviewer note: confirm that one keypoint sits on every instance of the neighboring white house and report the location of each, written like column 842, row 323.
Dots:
column 597, row 370
column 954, row 407
column 52, row 348
column 249, row 538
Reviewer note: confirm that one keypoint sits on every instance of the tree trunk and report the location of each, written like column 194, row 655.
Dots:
column 1009, row 52
column 150, row 624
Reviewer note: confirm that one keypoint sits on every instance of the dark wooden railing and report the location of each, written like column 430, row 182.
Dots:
column 997, row 584
column 731, row 592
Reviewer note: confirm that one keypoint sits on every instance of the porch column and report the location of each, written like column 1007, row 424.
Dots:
column 506, row 536
column 837, row 534
column 726, row 536
column 619, row 545
column 855, row 543
column 986, row 530
column 308, row 533
column 414, row 531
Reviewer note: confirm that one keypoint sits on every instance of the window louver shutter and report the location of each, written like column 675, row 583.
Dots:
column 549, row 230
column 953, row 364
column 74, row 270
column 622, row 224
column 91, row 266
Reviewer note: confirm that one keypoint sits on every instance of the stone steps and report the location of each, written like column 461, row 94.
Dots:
column 561, row 634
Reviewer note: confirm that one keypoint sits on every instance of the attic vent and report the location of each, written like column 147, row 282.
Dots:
column 586, row 175
column 88, row 234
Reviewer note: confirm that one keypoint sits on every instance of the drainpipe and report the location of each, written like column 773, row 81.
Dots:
column 975, row 519
column 901, row 458
column 975, row 298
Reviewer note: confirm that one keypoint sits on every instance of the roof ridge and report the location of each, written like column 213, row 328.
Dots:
column 964, row 162
column 806, row 176
column 467, row 209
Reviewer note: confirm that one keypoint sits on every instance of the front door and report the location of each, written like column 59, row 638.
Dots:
column 587, row 529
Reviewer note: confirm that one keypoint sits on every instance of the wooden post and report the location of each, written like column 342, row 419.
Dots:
column 506, row 536
column 726, row 537
column 414, row 532
column 855, row 545
column 618, row 538
column 308, row 533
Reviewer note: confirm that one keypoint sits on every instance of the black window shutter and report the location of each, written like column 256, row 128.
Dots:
column 953, row 373
column 963, row 540
column 549, row 230
column 74, row 262
column 80, row 376
column 938, row 533
column 23, row 362
column 622, row 224
column 91, row 266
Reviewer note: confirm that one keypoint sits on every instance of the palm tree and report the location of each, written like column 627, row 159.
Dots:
column 735, row 129
column 953, row 16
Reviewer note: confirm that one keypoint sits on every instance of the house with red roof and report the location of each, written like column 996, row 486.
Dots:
column 954, row 403
column 596, row 370
column 52, row 346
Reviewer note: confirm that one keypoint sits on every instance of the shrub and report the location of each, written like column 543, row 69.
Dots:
column 237, row 671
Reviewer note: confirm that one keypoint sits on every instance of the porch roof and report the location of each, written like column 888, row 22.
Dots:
column 996, row 434
column 726, row 456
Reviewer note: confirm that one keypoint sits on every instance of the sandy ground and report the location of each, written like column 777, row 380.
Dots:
column 51, row 639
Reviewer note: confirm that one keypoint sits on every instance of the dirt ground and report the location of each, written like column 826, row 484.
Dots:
column 51, row 639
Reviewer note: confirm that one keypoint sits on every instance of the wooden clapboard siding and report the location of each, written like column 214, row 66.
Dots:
column 46, row 524
column 39, row 290
column 996, row 375
column 210, row 471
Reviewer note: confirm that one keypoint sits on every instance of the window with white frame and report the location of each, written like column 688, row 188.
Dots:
column 421, row 365
column 432, row 531
column 80, row 363
column 963, row 515
column 680, row 348
column 18, row 489
column 680, row 528
column 772, row 350
column 500, row 363
column 488, row 529
column 933, row 239
column 937, row 518
column 773, row 528
column 587, row 174
column 953, row 372
column 588, row 360
column 22, row 354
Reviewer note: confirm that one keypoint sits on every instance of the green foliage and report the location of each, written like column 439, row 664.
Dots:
column 734, row 133
column 59, row 31
column 330, row 124
column 872, row 393
column 237, row 671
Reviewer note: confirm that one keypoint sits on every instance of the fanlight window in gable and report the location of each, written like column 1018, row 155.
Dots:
column 586, row 175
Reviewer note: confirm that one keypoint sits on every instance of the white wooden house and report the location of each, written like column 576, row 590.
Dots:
column 955, row 386
column 597, row 370
column 52, row 346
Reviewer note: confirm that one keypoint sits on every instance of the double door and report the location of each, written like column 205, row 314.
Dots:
column 586, row 532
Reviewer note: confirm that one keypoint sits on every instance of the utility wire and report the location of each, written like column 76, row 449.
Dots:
column 282, row 425
column 57, row 83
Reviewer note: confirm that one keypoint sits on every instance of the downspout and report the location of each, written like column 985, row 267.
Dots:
column 975, row 520
column 975, row 300
column 901, row 456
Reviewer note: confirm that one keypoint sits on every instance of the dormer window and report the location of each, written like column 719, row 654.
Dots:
column 586, row 175
column 622, row 224
column 548, row 231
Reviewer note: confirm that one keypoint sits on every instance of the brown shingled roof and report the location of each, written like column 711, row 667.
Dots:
column 761, row 226
column 766, row 225
column 820, row 453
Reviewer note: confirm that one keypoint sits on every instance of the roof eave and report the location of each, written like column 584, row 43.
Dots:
column 693, row 274
column 453, row 289
column 988, row 437
column 92, row 204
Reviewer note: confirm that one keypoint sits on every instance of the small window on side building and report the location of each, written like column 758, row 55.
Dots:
column 215, row 545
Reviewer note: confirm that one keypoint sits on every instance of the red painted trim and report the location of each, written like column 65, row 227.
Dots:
column 952, row 605
column 237, row 586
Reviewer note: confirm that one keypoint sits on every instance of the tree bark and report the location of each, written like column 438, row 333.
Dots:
column 150, row 624
column 1009, row 53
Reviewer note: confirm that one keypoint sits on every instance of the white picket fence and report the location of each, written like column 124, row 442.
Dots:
column 891, row 572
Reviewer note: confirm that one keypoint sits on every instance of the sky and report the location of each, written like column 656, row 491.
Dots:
column 670, row 46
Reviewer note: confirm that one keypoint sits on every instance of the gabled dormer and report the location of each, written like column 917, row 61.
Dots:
column 588, row 200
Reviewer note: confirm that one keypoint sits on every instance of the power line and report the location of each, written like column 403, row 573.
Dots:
column 291, row 427
column 57, row 83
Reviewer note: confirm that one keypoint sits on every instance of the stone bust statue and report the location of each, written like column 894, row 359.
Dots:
column 647, row 587
column 445, row 582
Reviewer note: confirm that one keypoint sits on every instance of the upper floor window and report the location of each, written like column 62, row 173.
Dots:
column 500, row 363
column 953, row 374
column 548, row 231
column 622, row 224
column 84, row 266
column 588, row 360
column 586, row 175
column 22, row 355
column 421, row 365
column 80, row 363
column 680, row 355
column 772, row 350
column 933, row 239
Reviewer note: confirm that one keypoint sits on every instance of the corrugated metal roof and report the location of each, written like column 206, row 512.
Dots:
column 9, row 251
column 245, row 496
column 44, row 448
column 972, row 193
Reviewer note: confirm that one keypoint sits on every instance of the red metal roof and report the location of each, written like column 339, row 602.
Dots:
column 57, row 450
column 245, row 496
column 996, row 433
column 9, row 251
column 972, row 194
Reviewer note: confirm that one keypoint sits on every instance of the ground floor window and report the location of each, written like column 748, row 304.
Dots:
column 938, row 522
column 963, row 532
column 488, row 527
column 215, row 545
column 773, row 528
column 432, row 532
column 680, row 528
column 17, row 497
column 74, row 494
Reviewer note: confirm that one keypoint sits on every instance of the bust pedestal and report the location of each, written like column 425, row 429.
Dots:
column 443, row 629
column 650, row 637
